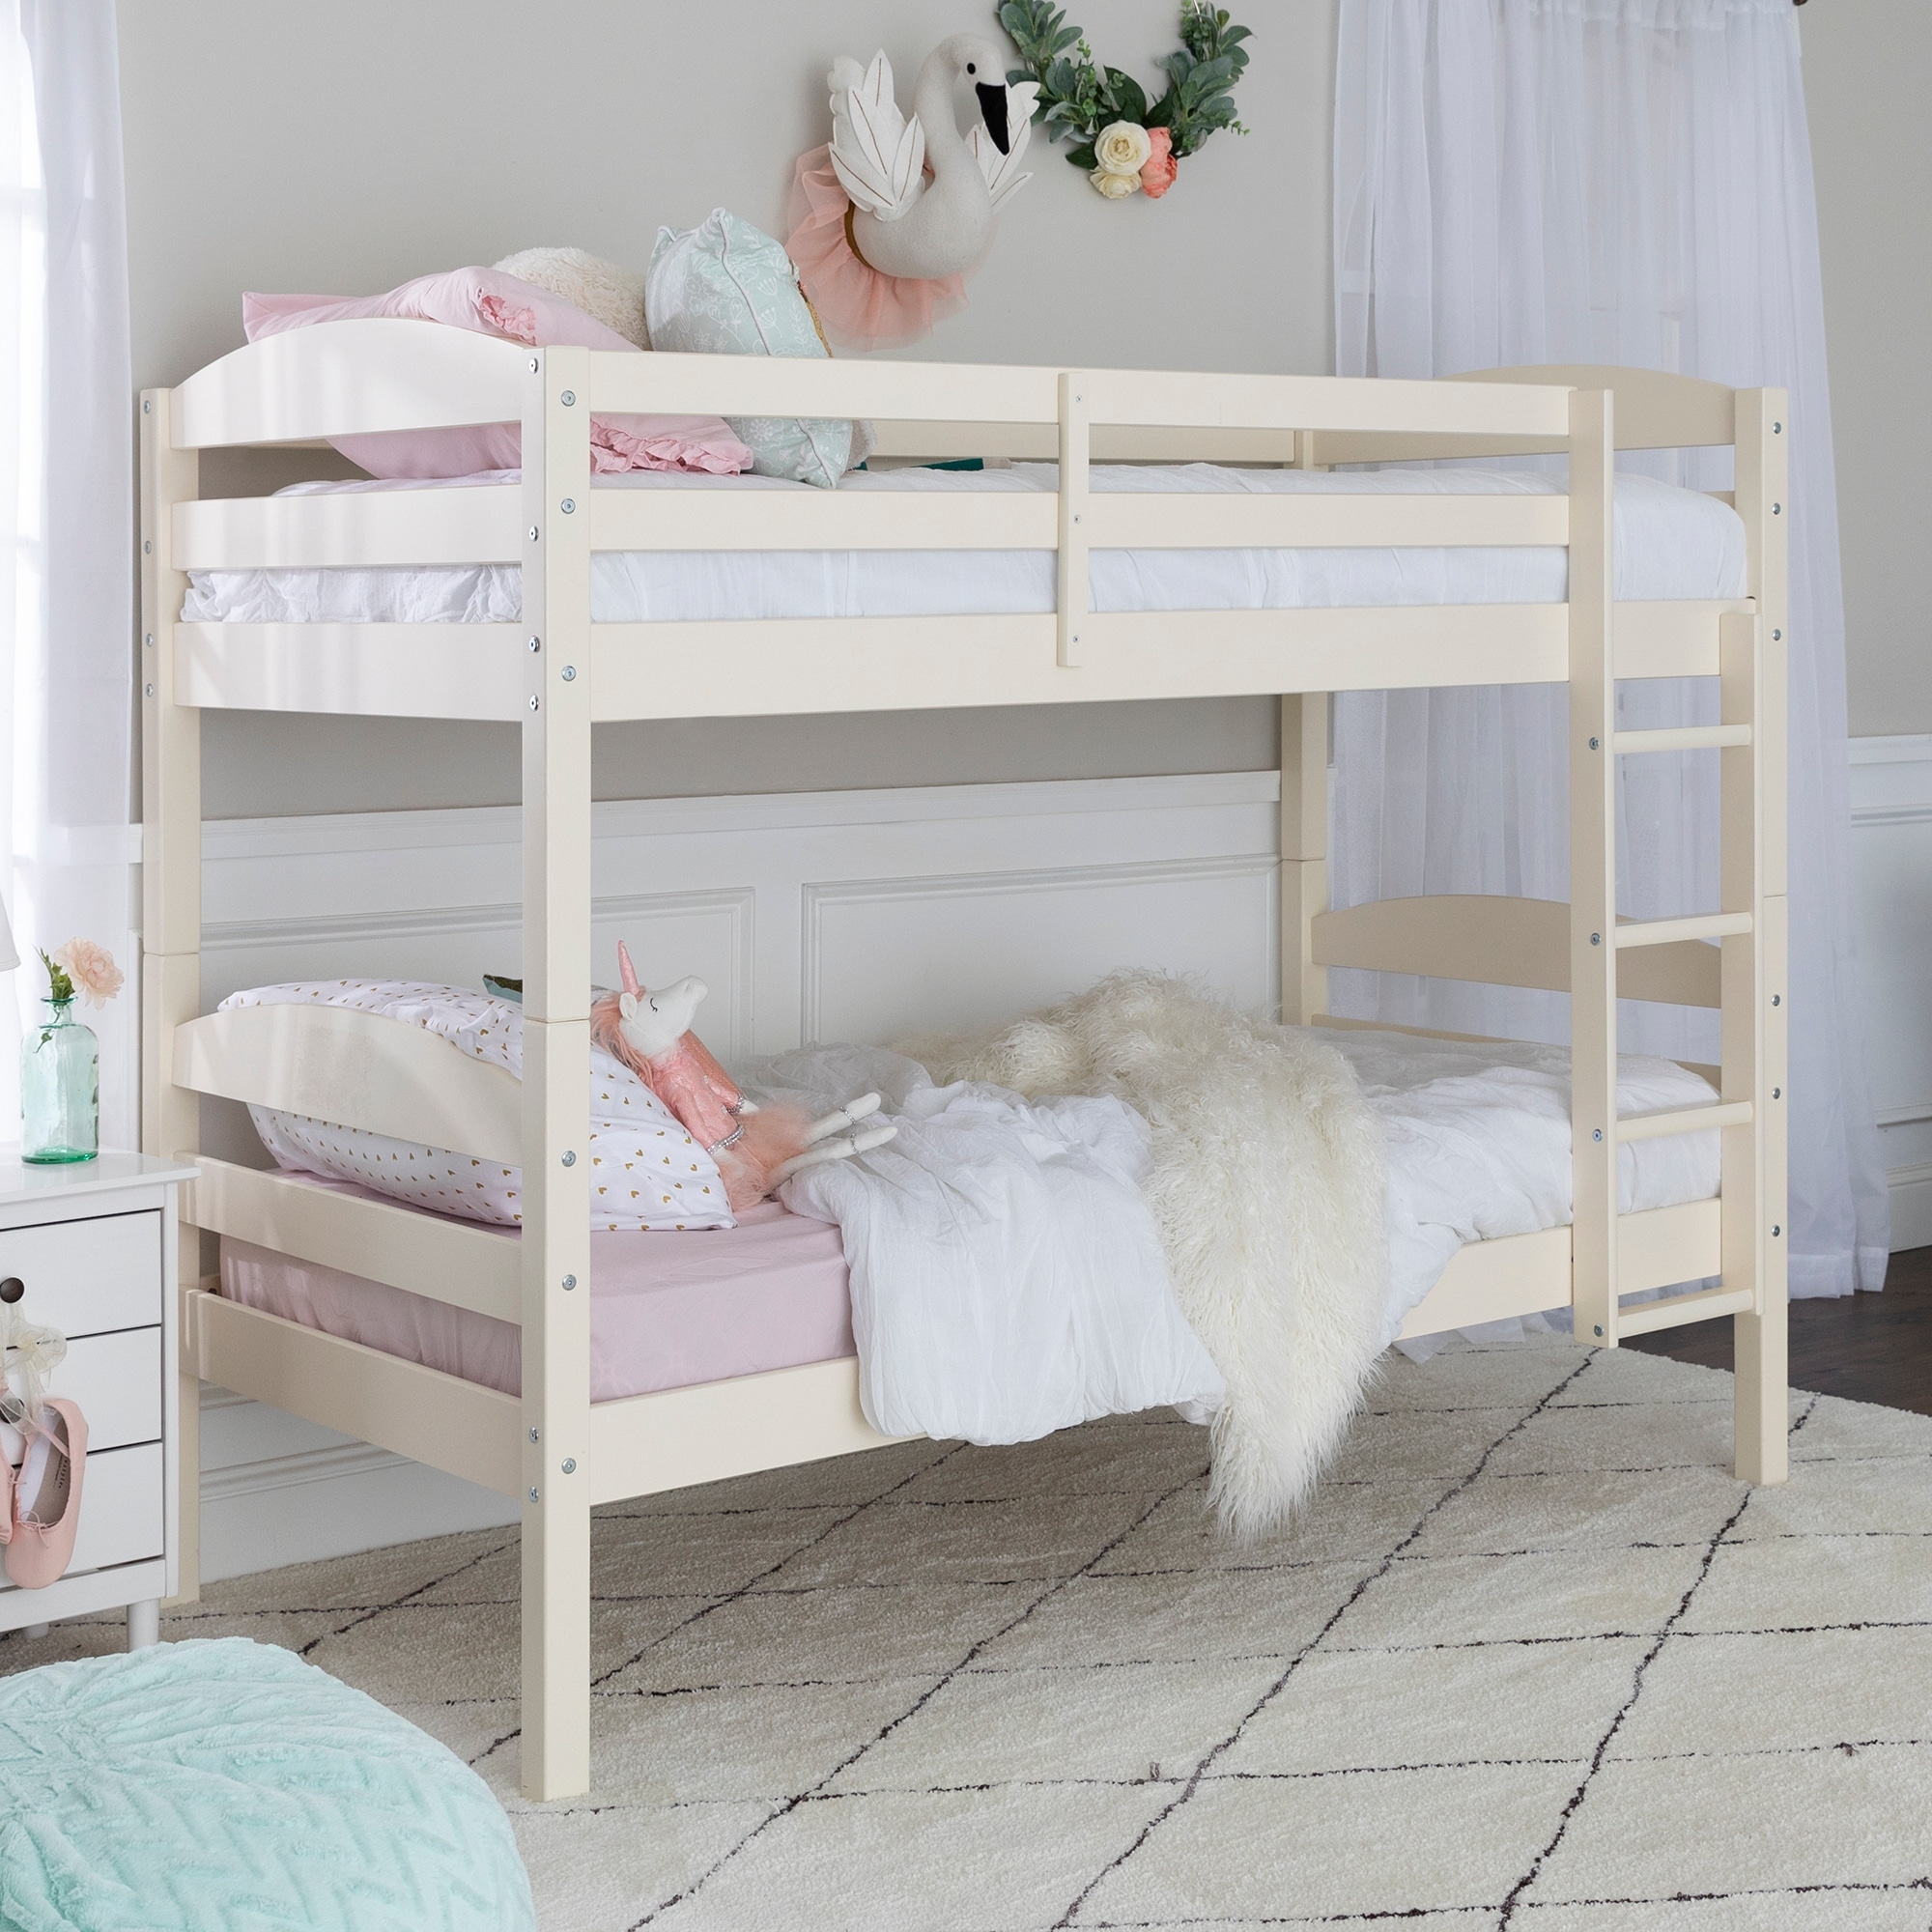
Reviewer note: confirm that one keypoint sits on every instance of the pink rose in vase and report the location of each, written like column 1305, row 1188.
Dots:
column 1158, row 175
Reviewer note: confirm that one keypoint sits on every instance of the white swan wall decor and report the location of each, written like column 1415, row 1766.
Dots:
column 889, row 217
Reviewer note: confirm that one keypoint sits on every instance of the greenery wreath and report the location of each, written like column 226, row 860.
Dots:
column 1128, row 145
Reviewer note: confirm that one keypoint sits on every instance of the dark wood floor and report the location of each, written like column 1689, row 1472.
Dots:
column 1872, row 1348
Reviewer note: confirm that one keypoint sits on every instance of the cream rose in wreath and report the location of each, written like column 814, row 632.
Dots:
column 1132, row 145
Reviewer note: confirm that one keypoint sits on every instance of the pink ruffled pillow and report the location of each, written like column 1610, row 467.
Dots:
column 492, row 304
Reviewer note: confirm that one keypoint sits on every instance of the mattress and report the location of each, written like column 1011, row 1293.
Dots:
column 1670, row 544
column 1478, row 1146
column 667, row 1310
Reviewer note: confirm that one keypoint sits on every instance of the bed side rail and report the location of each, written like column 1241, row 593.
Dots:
column 378, row 374
column 1654, row 410
column 356, row 1069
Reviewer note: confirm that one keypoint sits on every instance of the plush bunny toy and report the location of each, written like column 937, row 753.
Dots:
column 756, row 1147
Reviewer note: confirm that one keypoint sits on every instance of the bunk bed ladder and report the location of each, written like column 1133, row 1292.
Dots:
column 1751, row 928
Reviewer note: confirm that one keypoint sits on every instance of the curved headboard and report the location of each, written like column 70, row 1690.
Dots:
column 356, row 1070
column 347, row 378
column 1654, row 410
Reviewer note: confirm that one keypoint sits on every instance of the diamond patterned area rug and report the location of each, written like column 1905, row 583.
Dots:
column 1533, row 1660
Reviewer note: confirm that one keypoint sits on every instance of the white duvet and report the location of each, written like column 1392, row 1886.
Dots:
column 1671, row 543
column 1478, row 1139
column 1007, row 1278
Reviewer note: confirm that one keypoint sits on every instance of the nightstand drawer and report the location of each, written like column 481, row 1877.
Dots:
column 82, row 1277
column 120, row 1510
column 116, row 1378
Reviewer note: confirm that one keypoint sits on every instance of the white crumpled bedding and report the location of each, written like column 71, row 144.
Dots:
column 1007, row 1279
column 1478, row 1138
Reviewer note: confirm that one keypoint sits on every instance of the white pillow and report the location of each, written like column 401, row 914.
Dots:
column 646, row 1171
column 726, row 288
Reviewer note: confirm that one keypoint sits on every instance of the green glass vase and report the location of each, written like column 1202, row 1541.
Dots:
column 60, row 1090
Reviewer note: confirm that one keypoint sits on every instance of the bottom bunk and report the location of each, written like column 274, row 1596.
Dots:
column 715, row 1351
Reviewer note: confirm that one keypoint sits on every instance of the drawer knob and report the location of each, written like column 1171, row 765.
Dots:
column 12, row 1288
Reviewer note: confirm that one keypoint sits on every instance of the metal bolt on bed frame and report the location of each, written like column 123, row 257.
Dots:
column 569, row 1157
column 533, row 1433
column 568, row 397
column 533, row 1495
column 570, row 1465
column 569, row 1282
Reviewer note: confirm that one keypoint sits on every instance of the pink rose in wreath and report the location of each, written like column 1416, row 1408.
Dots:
column 1158, row 175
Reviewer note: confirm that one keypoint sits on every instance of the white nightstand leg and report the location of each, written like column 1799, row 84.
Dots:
column 144, row 1623
column 34, row 1633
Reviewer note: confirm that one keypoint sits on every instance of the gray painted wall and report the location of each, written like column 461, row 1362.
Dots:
column 1867, row 80
column 348, row 146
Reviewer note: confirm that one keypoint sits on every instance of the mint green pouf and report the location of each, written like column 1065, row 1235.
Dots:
column 227, row 1786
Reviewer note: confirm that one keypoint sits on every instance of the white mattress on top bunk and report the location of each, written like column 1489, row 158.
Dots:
column 1478, row 1147
column 1671, row 543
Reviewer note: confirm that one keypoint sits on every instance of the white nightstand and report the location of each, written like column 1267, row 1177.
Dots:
column 90, row 1250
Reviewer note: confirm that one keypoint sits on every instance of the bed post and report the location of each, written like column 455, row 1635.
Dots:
column 170, row 901
column 1754, row 984
column 1593, row 871
column 557, row 1077
column 1304, row 852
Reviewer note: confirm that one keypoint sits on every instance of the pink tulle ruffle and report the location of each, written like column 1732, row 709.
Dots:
column 859, row 307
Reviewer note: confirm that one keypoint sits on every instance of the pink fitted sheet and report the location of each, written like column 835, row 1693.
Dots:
column 667, row 1310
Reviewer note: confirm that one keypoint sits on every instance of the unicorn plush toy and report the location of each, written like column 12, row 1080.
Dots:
column 756, row 1147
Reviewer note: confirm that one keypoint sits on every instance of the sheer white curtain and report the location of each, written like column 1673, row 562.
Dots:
column 1628, row 182
column 68, row 845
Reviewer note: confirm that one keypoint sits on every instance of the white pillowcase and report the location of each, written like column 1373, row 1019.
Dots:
column 646, row 1171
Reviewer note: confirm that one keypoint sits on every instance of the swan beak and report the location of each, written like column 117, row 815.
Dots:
column 993, row 107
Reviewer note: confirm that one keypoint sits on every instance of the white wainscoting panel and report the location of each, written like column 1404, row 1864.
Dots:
column 858, row 915
column 1892, row 875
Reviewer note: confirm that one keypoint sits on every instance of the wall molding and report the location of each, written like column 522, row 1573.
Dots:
column 1891, row 863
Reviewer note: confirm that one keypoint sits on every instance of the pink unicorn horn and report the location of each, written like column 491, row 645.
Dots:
column 628, row 972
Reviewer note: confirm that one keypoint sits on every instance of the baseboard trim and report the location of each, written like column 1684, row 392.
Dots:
column 1911, row 1190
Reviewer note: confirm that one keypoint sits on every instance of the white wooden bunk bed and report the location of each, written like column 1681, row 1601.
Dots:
column 556, row 673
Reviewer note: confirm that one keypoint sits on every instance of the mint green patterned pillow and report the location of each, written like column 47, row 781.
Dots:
column 728, row 288
column 206, row 1786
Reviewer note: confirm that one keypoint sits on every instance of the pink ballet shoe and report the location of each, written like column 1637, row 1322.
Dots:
column 13, row 1416
column 46, row 1496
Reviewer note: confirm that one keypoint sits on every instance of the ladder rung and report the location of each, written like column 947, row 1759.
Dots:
column 1673, row 1310
column 1685, row 1120
column 1684, row 738
column 1667, row 931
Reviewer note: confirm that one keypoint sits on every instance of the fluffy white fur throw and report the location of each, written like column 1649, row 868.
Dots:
column 1269, row 1181
column 609, row 293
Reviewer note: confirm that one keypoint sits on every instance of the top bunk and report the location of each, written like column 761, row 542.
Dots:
column 1133, row 534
